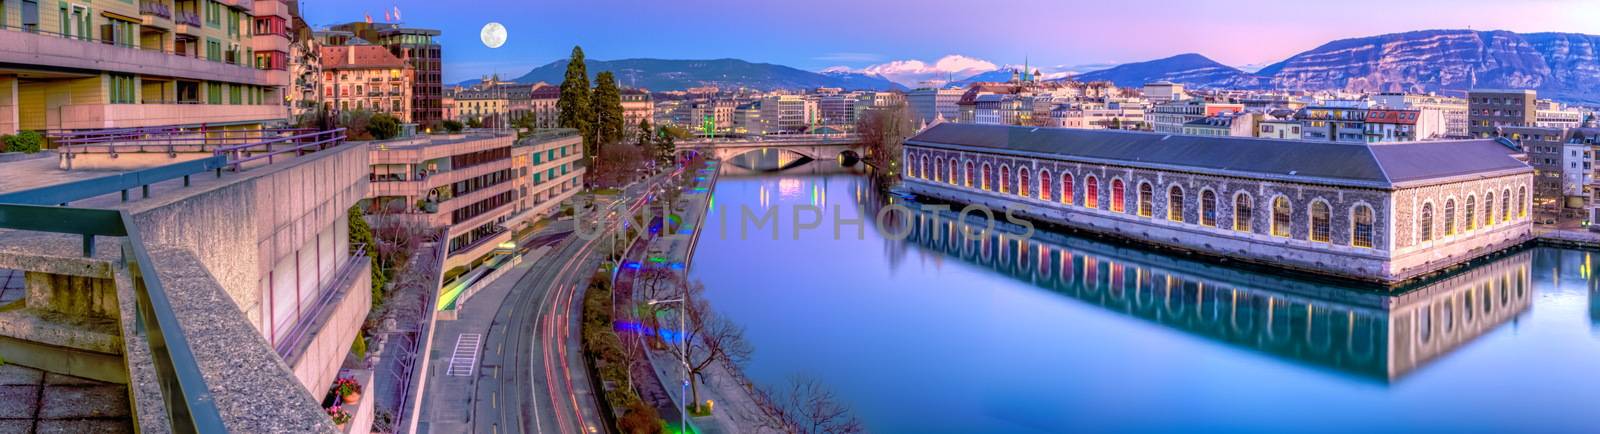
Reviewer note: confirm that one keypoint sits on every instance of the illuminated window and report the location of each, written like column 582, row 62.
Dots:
column 1425, row 223
column 1005, row 179
column 1241, row 212
column 969, row 174
column 1505, row 205
column 1281, row 216
column 1044, row 185
column 1175, row 204
column 1361, row 229
column 1091, row 192
column 1449, row 217
column 952, row 174
column 1117, row 199
column 1208, row 208
column 1488, row 209
column 988, row 176
column 1319, row 221
column 1472, row 205
column 1522, row 202
column 1022, row 183
column 1066, row 189
column 1146, row 194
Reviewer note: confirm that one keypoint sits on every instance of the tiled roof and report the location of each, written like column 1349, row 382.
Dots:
column 1360, row 165
column 366, row 56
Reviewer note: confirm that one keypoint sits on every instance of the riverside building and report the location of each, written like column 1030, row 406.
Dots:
column 1382, row 213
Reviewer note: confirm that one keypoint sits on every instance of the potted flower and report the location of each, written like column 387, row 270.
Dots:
column 348, row 389
column 339, row 416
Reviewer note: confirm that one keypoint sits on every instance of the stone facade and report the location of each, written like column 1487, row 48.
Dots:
column 1388, row 249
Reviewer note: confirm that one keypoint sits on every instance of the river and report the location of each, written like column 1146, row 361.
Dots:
column 937, row 333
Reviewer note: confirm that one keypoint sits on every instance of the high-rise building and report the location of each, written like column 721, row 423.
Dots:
column 1489, row 111
column 417, row 47
column 928, row 104
column 93, row 64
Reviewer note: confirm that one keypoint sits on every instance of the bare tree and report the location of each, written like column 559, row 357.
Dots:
column 808, row 407
column 655, row 283
column 707, row 338
column 882, row 131
column 617, row 165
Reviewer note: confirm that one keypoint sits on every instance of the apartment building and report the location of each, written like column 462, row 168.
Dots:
column 1489, row 111
column 637, row 105
column 1544, row 147
column 480, row 186
column 419, row 49
column 93, row 64
column 1452, row 110
column 1337, row 123
column 1171, row 117
column 928, row 104
column 1551, row 114
column 305, row 68
column 367, row 77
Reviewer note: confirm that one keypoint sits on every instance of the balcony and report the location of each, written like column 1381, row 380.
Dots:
column 91, row 116
column 186, row 22
column 42, row 49
column 156, row 14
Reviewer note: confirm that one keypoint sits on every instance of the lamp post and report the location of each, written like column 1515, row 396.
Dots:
column 683, row 354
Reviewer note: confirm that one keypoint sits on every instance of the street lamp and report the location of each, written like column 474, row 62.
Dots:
column 683, row 354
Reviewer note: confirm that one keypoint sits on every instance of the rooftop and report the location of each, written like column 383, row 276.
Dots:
column 1384, row 166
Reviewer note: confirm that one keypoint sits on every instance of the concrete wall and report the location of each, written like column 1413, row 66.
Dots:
column 50, row 51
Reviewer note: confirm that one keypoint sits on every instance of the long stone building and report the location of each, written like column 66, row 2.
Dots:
column 1382, row 213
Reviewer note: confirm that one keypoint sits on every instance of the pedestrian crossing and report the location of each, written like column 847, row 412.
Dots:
column 464, row 360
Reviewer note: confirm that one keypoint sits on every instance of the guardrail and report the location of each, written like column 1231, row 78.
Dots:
column 299, row 144
column 189, row 404
column 68, row 192
column 164, row 138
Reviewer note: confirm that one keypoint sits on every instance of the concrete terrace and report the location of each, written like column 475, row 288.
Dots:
column 193, row 234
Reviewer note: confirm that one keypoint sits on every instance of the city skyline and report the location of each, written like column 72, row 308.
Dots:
column 898, row 40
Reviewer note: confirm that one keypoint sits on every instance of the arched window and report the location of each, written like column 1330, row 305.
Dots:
column 1091, row 192
column 1044, row 185
column 952, row 174
column 988, row 176
column 1425, row 223
column 1488, row 209
column 1023, row 183
column 1005, row 178
column 1471, row 217
column 1281, row 216
column 1146, row 192
column 1175, row 203
column 925, row 167
column 1066, row 189
column 938, row 169
column 1320, row 220
column 1243, row 206
column 1117, row 202
column 1208, row 208
column 1361, row 226
column 1505, row 205
column 1449, row 217
column 969, row 173
column 1522, row 202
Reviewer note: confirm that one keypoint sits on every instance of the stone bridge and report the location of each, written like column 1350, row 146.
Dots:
column 816, row 147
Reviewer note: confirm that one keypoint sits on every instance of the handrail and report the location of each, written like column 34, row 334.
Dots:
column 319, row 140
column 303, row 325
column 68, row 192
column 189, row 404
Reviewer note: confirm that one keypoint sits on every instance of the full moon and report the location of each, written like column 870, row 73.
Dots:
column 493, row 34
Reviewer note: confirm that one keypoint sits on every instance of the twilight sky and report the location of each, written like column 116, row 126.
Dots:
column 912, row 40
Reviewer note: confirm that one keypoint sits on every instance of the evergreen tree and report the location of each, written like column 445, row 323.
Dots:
column 665, row 144
column 608, row 110
column 573, row 106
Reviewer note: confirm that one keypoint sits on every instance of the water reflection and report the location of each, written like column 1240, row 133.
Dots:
column 1380, row 336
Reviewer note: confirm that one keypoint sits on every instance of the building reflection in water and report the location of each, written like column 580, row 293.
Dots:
column 1376, row 335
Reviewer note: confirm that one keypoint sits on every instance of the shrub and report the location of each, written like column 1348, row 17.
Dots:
column 27, row 142
column 359, row 347
column 355, row 124
column 453, row 126
column 383, row 126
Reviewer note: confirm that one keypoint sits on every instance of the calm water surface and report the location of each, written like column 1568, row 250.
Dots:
column 938, row 333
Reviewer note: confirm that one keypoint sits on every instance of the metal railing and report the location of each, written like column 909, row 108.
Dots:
column 155, row 8
column 298, row 144
column 302, row 326
column 163, row 139
column 187, row 397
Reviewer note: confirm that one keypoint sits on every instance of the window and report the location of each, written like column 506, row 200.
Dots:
column 938, row 169
column 213, row 50
column 213, row 92
column 1146, row 197
column 1505, row 205
column 1175, row 204
column 1425, row 223
column 1522, row 202
column 1361, row 227
column 1449, row 217
column 1280, row 216
column 1091, row 192
column 1472, row 205
column 1208, row 208
column 30, row 15
column 1022, row 183
column 1488, row 209
column 122, row 89
column 1005, row 179
column 952, row 174
column 1066, row 189
column 1044, row 185
column 925, row 167
column 1117, row 200
column 213, row 13
column 1319, row 221
column 969, row 174
column 1242, row 208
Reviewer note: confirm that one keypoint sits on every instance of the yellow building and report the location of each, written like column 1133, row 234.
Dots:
column 91, row 64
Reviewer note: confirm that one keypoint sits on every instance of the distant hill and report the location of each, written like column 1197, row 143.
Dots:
column 1190, row 69
column 668, row 75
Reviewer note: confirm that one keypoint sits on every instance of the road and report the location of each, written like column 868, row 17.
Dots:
column 532, row 378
